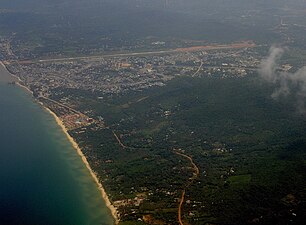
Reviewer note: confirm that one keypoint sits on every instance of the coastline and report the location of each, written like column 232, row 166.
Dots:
column 84, row 159
column 18, row 82
column 103, row 193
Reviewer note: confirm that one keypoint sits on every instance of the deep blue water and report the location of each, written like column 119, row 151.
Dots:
column 43, row 180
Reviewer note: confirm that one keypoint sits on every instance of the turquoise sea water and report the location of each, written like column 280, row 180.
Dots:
column 43, row 180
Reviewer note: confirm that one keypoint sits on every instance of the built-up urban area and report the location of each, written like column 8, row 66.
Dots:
column 121, row 73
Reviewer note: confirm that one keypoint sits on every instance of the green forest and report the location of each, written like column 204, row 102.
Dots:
column 249, row 148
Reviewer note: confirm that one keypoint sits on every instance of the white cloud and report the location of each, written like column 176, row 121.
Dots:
column 286, row 83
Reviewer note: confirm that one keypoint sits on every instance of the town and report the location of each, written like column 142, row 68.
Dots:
column 121, row 74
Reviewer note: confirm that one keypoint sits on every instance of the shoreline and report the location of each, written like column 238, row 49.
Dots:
column 18, row 82
column 74, row 144
column 84, row 159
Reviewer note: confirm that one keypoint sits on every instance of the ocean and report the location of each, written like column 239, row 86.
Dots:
column 43, row 179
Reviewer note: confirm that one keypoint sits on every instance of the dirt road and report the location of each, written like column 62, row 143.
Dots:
column 194, row 176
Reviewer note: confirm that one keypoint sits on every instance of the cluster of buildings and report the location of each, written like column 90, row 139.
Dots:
column 120, row 74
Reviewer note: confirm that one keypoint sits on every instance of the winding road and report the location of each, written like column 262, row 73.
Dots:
column 194, row 176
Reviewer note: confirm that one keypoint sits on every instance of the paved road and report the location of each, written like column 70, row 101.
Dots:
column 177, row 50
